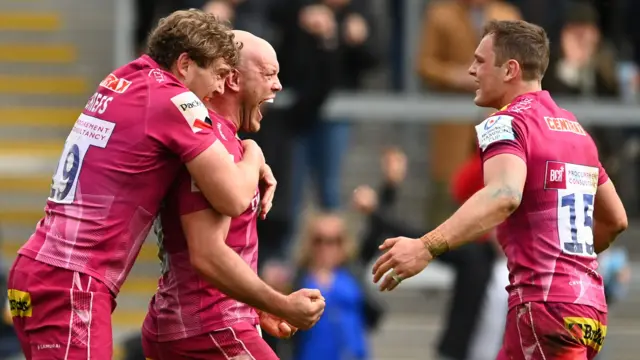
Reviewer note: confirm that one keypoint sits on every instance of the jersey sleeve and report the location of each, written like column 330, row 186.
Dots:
column 602, row 174
column 501, row 134
column 180, row 122
column 189, row 198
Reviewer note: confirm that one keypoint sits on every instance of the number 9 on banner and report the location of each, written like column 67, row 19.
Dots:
column 87, row 132
column 65, row 177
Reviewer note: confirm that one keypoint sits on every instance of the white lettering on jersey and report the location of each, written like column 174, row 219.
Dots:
column 576, row 186
column 564, row 125
column 98, row 103
column 156, row 74
column 493, row 129
column 193, row 110
column 87, row 132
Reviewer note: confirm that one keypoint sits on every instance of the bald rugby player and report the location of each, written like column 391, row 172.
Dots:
column 210, row 302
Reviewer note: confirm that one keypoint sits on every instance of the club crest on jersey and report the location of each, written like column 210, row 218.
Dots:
column 493, row 129
column 566, row 176
column 564, row 125
column 193, row 110
column 115, row 84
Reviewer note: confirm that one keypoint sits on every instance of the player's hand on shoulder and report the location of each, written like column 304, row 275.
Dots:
column 403, row 258
column 268, row 186
column 305, row 307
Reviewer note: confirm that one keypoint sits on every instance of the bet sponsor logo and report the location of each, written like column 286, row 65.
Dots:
column 566, row 176
column 19, row 303
column 588, row 331
column 115, row 84
column 564, row 125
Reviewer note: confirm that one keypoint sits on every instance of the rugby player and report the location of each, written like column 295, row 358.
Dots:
column 545, row 189
column 144, row 121
column 205, row 305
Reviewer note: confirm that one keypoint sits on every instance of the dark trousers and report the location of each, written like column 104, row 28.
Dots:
column 472, row 264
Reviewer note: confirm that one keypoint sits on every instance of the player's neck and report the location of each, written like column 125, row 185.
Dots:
column 524, row 88
column 228, row 107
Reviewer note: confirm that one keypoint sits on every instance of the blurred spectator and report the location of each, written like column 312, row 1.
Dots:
column 585, row 64
column 325, row 45
column 331, row 47
column 249, row 15
column 325, row 263
column 582, row 63
column 473, row 263
column 397, row 42
column 451, row 31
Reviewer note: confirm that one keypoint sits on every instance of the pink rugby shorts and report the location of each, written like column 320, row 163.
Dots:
column 59, row 313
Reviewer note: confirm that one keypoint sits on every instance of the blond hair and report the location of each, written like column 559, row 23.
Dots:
column 306, row 250
column 204, row 38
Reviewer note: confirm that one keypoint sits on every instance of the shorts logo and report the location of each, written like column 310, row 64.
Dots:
column 589, row 332
column 19, row 303
column 115, row 84
column 566, row 176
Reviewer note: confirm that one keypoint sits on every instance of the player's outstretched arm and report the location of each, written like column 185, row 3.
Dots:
column 504, row 178
column 229, row 187
column 610, row 218
column 222, row 267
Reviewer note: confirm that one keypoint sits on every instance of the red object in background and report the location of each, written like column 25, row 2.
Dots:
column 467, row 181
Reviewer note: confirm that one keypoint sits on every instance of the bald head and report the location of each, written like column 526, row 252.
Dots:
column 253, row 48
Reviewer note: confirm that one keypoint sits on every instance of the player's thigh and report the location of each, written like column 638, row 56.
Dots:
column 60, row 314
column 239, row 342
column 16, row 283
column 242, row 341
column 532, row 333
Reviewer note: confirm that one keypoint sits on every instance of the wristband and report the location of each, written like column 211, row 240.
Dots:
column 435, row 243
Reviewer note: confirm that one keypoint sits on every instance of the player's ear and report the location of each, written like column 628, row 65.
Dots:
column 233, row 80
column 182, row 64
column 512, row 69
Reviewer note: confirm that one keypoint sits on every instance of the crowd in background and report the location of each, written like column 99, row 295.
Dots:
column 326, row 46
